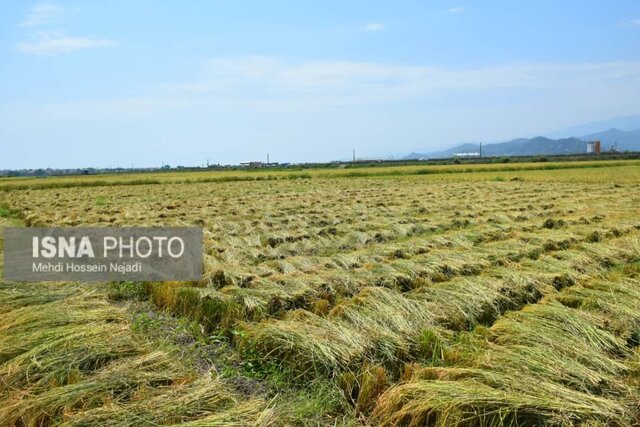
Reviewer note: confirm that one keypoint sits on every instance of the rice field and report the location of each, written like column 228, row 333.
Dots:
column 486, row 296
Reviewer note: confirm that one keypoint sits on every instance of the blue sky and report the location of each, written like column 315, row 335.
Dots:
column 116, row 83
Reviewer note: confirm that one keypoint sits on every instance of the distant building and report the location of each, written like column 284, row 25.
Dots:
column 251, row 164
column 594, row 147
column 466, row 155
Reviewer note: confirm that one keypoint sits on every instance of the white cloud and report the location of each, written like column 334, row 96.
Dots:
column 374, row 27
column 455, row 10
column 269, row 85
column 55, row 43
column 267, row 80
column 629, row 22
column 41, row 14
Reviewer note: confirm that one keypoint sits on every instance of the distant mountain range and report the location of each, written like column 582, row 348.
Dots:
column 626, row 123
column 626, row 140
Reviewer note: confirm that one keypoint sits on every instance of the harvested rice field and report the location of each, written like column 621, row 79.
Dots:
column 502, row 296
